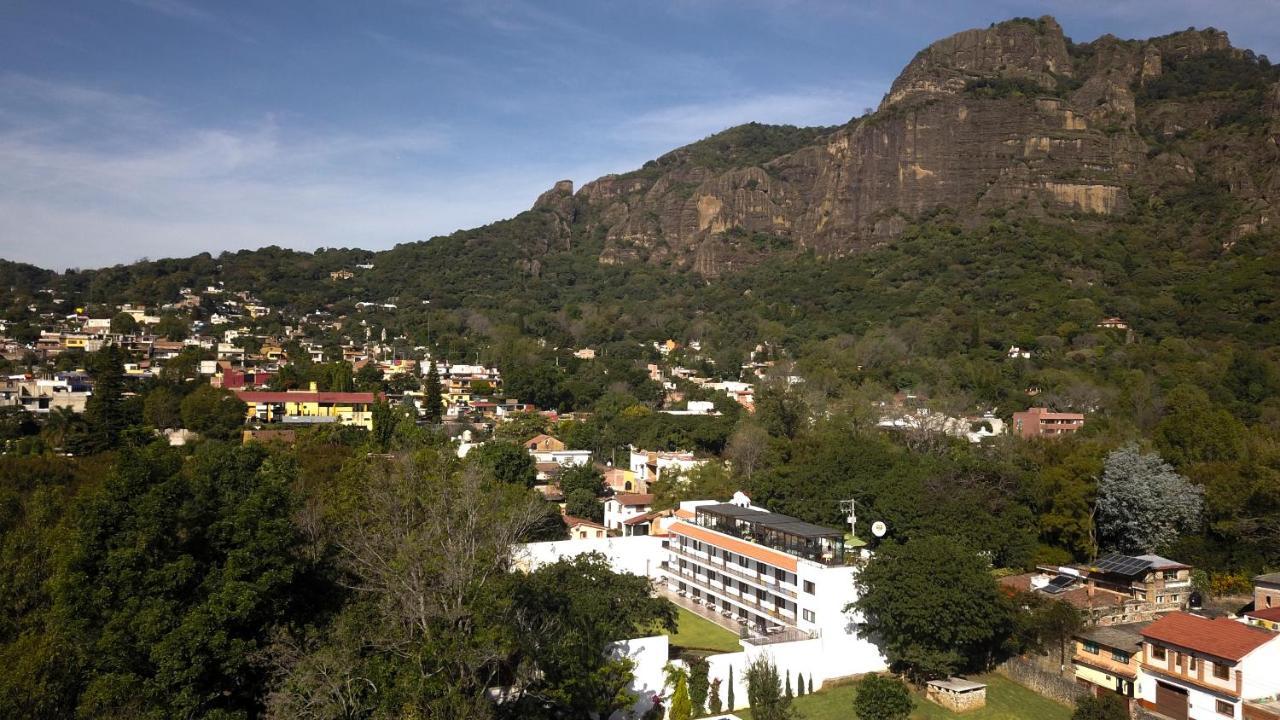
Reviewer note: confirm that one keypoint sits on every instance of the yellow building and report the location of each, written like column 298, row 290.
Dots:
column 309, row 406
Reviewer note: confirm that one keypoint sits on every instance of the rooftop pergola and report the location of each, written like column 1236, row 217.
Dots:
column 775, row 530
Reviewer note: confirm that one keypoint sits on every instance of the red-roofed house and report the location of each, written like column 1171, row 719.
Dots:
column 583, row 529
column 1266, row 618
column 310, row 406
column 1194, row 667
column 625, row 506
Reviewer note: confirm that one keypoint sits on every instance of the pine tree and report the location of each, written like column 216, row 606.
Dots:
column 681, row 708
column 787, row 690
column 104, row 411
column 729, row 704
column 810, row 682
column 799, row 684
column 432, row 402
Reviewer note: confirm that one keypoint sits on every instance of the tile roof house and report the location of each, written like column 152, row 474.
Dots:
column 1196, row 667
column 1107, row 658
column 624, row 506
column 1266, row 591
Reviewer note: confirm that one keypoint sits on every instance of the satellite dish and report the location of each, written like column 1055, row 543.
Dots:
column 878, row 529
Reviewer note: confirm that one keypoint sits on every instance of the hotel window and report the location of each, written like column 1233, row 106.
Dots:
column 1160, row 599
column 808, row 615
column 1120, row 657
column 1157, row 652
column 1091, row 647
column 1222, row 672
column 1191, row 663
column 809, row 587
column 1226, row 708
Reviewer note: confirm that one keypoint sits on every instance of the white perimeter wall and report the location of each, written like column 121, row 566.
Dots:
column 821, row 659
column 638, row 555
column 650, row 656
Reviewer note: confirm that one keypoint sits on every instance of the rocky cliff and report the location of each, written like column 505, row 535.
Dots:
column 1014, row 118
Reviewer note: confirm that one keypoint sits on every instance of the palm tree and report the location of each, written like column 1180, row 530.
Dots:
column 59, row 425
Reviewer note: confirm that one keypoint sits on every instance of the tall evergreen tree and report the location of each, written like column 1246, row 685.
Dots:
column 433, row 402
column 729, row 704
column 104, row 411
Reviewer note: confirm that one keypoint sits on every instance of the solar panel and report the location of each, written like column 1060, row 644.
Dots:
column 1122, row 565
column 1059, row 584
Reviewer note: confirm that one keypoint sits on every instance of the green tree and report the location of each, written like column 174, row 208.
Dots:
column 124, row 324
column 176, row 573
column 780, row 410
column 105, row 413
column 1106, row 707
column 369, row 377
column 581, row 503
column 584, row 606
column 162, row 408
column 507, row 462
column 213, row 412
column 714, row 704
column 581, row 477
column 521, row 427
column 765, row 694
column 172, row 327
column 385, row 420
column 432, row 400
column 729, row 704
column 933, row 605
column 681, row 706
column 1195, row 430
column 698, row 685
column 882, row 697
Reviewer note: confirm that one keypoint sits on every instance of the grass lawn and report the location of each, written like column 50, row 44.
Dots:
column 697, row 633
column 1006, row 700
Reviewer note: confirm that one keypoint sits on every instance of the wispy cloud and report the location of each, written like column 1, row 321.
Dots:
column 197, row 15
column 679, row 124
column 162, row 189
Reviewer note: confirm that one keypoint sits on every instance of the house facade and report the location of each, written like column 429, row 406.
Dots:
column 1196, row 668
column 1266, row 591
column 620, row 508
column 1042, row 422
column 1106, row 659
column 310, row 406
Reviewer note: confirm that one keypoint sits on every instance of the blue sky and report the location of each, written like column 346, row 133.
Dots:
column 157, row 128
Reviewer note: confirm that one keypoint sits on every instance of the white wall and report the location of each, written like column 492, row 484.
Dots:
column 1261, row 676
column 650, row 656
column 638, row 555
column 821, row 659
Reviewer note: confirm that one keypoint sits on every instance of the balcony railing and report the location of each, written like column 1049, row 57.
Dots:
column 749, row 603
column 723, row 567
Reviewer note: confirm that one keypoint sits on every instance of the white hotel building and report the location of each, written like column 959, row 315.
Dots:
column 782, row 583
column 777, row 574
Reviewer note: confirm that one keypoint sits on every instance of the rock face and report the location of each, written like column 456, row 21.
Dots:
column 1012, row 118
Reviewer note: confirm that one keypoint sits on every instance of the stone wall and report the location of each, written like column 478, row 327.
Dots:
column 957, row 702
column 1049, row 684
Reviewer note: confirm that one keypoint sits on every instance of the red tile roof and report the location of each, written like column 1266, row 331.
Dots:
column 306, row 396
column 742, row 547
column 1272, row 614
column 633, row 499
column 1220, row 637
column 572, row 521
